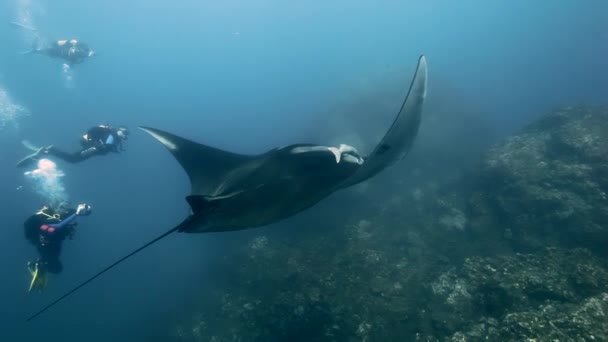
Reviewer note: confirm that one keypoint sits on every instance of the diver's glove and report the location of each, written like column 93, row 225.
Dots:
column 83, row 210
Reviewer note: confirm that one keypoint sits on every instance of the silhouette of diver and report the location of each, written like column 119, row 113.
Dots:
column 47, row 229
column 98, row 140
column 71, row 51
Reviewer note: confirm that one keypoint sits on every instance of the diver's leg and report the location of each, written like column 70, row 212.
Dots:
column 89, row 152
column 54, row 265
column 71, row 157
column 50, row 258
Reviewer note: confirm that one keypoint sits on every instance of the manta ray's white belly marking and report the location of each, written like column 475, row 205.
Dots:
column 344, row 152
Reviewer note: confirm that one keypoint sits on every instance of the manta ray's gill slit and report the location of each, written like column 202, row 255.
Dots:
column 383, row 148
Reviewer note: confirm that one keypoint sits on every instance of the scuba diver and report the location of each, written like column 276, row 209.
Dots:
column 47, row 229
column 99, row 140
column 72, row 51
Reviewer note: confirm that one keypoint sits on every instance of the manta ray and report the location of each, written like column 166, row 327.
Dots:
column 231, row 191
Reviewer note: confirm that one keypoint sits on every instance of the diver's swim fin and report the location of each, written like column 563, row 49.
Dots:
column 39, row 278
column 36, row 47
column 29, row 145
column 22, row 26
column 163, row 235
column 28, row 52
column 34, row 274
column 31, row 158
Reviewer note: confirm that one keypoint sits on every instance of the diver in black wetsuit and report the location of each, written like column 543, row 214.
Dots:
column 47, row 229
column 99, row 140
column 72, row 51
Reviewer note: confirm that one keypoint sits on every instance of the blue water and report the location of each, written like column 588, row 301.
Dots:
column 245, row 76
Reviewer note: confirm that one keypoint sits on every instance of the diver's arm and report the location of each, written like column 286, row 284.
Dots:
column 83, row 210
column 64, row 223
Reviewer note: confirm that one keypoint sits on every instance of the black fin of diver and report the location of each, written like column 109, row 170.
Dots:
column 30, row 158
column 109, row 268
column 27, row 144
column 206, row 166
column 401, row 135
column 22, row 26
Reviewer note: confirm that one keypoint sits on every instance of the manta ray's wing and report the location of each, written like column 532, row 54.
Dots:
column 206, row 166
column 400, row 137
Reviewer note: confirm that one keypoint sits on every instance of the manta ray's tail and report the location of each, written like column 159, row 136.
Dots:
column 106, row 269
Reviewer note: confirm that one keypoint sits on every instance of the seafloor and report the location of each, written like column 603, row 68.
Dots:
column 514, row 252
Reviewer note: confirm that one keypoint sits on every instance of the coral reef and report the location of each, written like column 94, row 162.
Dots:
column 549, row 183
column 522, row 296
column 324, row 289
column 584, row 321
